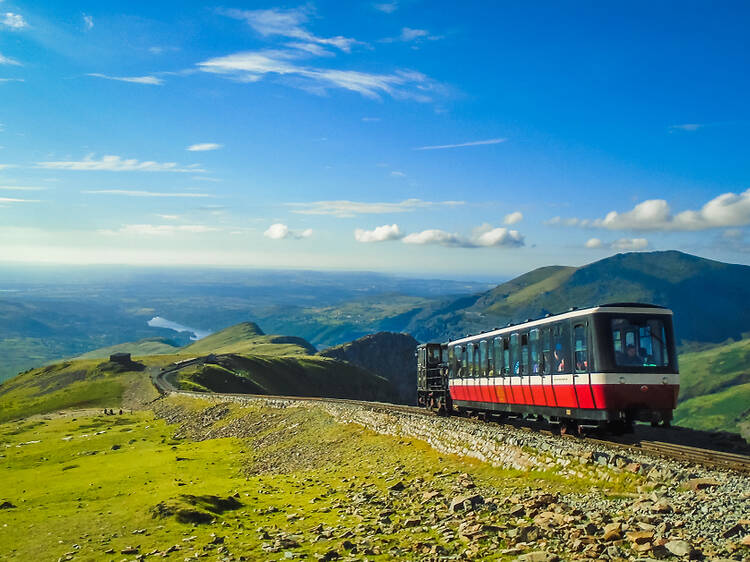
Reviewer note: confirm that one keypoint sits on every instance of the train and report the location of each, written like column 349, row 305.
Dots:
column 607, row 366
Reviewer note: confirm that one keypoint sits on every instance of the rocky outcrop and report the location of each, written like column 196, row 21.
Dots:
column 387, row 354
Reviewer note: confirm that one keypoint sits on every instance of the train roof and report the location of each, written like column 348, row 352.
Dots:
column 616, row 307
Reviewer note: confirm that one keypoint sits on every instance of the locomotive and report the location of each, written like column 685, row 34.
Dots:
column 605, row 366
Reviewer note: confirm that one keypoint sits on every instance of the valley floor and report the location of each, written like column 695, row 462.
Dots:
column 264, row 481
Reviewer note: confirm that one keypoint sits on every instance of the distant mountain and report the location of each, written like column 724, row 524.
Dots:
column 386, row 354
column 710, row 299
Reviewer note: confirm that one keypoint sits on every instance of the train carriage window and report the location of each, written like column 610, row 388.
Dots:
column 546, row 351
column 482, row 358
column 476, row 362
column 452, row 361
column 561, row 350
column 581, row 348
column 640, row 342
column 465, row 362
column 534, row 351
column 469, row 360
column 498, row 345
column 524, row 370
column 506, row 357
column 433, row 356
column 515, row 354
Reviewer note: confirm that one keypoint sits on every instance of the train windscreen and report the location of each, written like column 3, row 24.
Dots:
column 640, row 342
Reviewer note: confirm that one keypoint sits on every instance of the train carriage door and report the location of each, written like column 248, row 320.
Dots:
column 498, row 376
column 535, row 363
column 582, row 376
column 562, row 372
column 484, row 371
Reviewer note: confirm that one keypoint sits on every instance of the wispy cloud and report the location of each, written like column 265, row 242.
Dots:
column 371, row 119
column 16, row 200
column 158, row 230
column 379, row 234
column 149, row 80
column 723, row 211
column 20, row 188
column 201, row 147
column 252, row 66
column 88, row 22
column 13, row 21
column 112, row 163
column 168, row 217
column 461, row 145
column 386, row 7
column 279, row 231
column 137, row 193
column 12, row 80
column 288, row 23
column 621, row 244
column 346, row 209
column 412, row 35
column 8, row 60
column 687, row 127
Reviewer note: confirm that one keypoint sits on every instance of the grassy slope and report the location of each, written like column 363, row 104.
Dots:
column 248, row 338
column 293, row 376
column 715, row 388
column 87, row 383
column 296, row 470
column 150, row 346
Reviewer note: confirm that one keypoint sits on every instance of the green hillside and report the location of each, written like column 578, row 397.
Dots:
column 707, row 296
column 289, row 376
column 715, row 389
column 248, row 338
column 149, row 346
column 85, row 383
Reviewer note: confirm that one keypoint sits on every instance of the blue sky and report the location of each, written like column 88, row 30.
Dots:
column 405, row 136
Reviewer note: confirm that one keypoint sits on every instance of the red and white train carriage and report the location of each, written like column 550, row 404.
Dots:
column 611, row 364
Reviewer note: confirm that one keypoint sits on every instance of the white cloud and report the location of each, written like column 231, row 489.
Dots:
column 287, row 23
column 158, row 230
column 621, row 244
column 88, row 22
column 724, row 211
column 379, row 234
column 12, row 80
column 461, row 145
column 346, row 209
column 629, row 244
column 386, row 7
column 8, row 60
column 279, row 231
column 150, row 80
column 169, row 217
column 483, row 237
column 14, row 21
column 513, row 218
column 371, row 119
column 397, row 174
column 20, row 188
column 204, row 146
column 252, row 66
column 112, row 163
column 137, row 193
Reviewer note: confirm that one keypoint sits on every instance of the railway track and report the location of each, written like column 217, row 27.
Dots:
column 679, row 452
